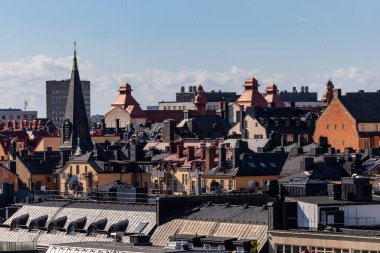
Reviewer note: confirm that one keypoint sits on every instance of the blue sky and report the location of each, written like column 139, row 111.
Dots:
column 158, row 46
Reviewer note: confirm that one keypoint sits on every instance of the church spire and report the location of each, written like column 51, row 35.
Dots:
column 75, row 124
column 75, row 64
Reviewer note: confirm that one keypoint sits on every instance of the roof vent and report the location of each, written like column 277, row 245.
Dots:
column 209, row 203
column 227, row 204
column 245, row 206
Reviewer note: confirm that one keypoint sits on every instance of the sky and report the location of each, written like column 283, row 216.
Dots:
column 159, row 46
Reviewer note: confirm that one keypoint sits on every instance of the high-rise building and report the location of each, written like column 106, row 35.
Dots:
column 75, row 130
column 56, row 97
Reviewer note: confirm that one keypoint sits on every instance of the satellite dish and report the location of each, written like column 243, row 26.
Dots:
column 73, row 183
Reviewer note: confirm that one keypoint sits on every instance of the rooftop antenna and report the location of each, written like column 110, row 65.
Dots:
column 25, row 104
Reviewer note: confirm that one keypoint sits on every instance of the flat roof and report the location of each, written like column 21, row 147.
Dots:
column 325, row 200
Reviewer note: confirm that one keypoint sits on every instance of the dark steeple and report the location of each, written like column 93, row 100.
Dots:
column 75, row 130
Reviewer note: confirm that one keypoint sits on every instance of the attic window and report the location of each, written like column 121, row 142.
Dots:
column 263, row 165
column 273, row 165
column 252, row 165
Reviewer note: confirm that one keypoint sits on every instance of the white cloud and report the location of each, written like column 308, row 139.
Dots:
column 25, row 79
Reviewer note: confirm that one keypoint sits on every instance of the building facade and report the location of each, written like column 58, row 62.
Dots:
column 351, row 120
column 16, row 114
column 56, row 97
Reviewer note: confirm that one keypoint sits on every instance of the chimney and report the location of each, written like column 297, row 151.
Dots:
column 337, row 93
column 190, row 153
column 209, row 158
column 172, row 147
column 190, row 88
column 235, row 157
column 307, row 163
column 302, row 89
column 222, row 157
column 182, row 88
column 203, row 150
column 180, row 151
column 306, row 89
column 168, row 131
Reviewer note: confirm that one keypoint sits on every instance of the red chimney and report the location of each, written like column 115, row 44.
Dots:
column 9, row 124
column 180, row 151
column 203, row 150
column 190, row 153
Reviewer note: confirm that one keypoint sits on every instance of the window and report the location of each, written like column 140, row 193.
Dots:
column 256, row 124
column 222, row 184
column 366, row 143
column 362, row 127
column 175, row 185
column 77, row 169
column 287, row 122
column 257, row 136
column 276, row 122
column 335, row 127
column 343, row 143
column 327, row 126
column 343, row 126
column 71, row 170
column 376, row 127
column 85, row 170
column 230, row 184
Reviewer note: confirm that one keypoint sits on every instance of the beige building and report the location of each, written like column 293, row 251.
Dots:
column 125, row 108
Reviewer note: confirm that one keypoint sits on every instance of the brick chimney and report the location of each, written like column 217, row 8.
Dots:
column 180, row 151
column 209, row 159
column 190, row 153
column 203, row 150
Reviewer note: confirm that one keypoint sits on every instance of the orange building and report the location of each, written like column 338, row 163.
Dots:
column 352, row 120
column 7, row 176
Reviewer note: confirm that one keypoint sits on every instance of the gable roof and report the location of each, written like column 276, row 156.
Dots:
column 36, row 163
column 363, row 106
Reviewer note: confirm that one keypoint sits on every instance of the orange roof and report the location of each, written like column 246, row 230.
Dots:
column 126, row 101
column 272, row 96
column 251, row 96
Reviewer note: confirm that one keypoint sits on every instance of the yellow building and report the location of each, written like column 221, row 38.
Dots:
column 92, row 173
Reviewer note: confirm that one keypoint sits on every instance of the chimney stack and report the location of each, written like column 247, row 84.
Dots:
column 222, row 157
column 209, row 158
column 190, row 153
column 180, row 151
